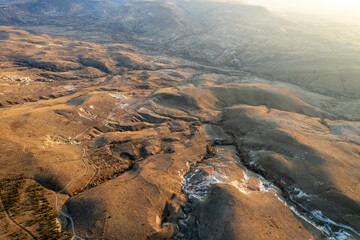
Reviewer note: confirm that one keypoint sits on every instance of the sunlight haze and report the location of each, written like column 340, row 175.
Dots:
column 339, row 10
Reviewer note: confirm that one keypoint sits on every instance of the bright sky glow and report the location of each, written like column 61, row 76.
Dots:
column 340, row 10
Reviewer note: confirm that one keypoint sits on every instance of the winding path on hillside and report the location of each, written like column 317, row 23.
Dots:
column 75, row 236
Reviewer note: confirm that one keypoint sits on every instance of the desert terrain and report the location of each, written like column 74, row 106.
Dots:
column 148, row 137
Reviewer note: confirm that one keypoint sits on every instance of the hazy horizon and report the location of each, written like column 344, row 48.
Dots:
column 346, row 11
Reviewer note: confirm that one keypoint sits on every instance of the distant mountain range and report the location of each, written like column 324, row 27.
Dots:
column 221, row 34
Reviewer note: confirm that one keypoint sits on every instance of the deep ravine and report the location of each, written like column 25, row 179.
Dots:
column 198, row 183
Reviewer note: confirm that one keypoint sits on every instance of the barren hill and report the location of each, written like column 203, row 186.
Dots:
column 175, row 120
column 216, row 33
column 121, row 140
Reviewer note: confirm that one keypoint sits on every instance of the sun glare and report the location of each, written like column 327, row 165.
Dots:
column 347, row 4
column 340, row 10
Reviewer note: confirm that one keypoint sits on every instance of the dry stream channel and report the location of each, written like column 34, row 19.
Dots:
column 199, row 181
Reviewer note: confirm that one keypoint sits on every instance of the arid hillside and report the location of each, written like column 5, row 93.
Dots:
column 99, row 141
column 315, row 54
